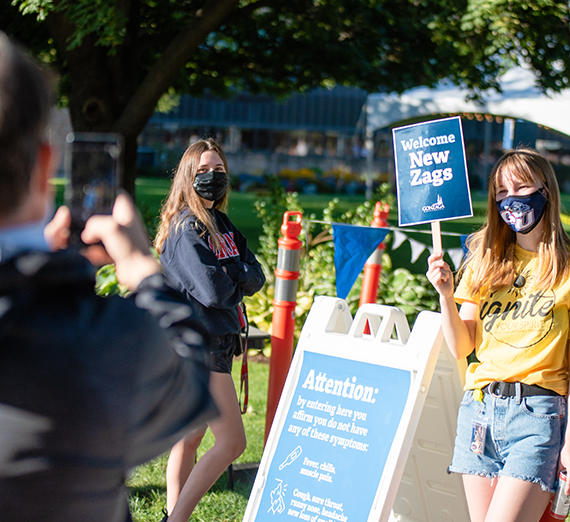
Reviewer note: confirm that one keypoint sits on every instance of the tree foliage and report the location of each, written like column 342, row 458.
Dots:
column 317, row 275
column 116, row 58
column 534, row 33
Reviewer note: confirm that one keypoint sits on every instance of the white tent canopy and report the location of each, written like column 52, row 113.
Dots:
column 520, row 99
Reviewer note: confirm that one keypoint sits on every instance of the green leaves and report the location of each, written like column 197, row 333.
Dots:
column 106, row 282
column 412, row 293
column 518, row 31
column 102, row 18
column 38, row 7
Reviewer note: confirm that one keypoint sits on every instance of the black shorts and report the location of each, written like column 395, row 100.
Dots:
column 223, row 348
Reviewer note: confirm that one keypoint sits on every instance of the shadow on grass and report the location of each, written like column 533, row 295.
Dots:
column 240, row 488
column 148, row 491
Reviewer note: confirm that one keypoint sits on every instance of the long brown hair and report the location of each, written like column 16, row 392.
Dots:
column 182, row 195
column 492, row 249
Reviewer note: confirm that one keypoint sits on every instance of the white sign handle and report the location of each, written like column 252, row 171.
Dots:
column 436, row 237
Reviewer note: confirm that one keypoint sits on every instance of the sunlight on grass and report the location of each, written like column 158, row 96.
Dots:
column 148, row 483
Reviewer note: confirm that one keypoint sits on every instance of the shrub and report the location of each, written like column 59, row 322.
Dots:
column 412, row 293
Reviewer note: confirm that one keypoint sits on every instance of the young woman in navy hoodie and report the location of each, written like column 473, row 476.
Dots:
column 206, row 257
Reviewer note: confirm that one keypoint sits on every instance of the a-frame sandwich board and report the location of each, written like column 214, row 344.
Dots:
column 347, row 416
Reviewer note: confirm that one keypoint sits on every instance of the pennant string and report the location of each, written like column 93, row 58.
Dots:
column 414, row 230
column 354, row 244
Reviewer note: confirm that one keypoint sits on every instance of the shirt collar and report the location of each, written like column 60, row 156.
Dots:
column 21, row 238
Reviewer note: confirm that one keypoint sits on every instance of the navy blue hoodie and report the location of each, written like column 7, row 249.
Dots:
column 193, row 267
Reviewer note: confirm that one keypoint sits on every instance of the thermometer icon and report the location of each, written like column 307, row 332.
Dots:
column 292, row 457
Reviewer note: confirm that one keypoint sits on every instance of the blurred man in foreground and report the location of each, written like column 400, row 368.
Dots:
column 89, row 387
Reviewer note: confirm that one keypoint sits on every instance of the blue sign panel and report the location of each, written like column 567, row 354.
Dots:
column 431, row 172
column 334, row 443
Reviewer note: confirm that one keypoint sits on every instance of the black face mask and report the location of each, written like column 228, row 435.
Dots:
column 211, row 185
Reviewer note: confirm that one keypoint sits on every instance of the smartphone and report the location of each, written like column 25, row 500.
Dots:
column 93, row 168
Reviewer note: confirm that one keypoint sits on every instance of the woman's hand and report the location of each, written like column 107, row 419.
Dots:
column 440, row 275
column 459, row 327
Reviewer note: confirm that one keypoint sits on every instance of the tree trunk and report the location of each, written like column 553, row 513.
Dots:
column 130, row 165
column 111, row 92
column 100, row 87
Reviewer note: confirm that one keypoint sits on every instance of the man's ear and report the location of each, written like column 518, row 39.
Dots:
column 45, row 166
column 40, row 194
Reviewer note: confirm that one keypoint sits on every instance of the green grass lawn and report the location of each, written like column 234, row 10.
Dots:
column 151, row 192
column 148, row 483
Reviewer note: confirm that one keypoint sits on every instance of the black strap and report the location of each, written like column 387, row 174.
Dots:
column 244, row 377
column 509, row 389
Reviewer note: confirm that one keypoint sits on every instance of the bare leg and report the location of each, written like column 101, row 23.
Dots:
column 229, row 444
column 504, row 499
column 517, row 501
column 479, row 493
column 180, row 464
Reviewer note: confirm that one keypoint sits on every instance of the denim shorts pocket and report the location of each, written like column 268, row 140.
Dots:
column 467, row 398
column 544, row 406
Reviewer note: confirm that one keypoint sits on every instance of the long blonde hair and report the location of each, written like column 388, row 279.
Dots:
column 492, row 249
column 182, row 195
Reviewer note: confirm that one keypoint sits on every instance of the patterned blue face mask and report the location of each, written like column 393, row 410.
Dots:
column 523, row 213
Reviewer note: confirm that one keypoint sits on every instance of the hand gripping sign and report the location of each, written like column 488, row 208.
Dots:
column 431, row 174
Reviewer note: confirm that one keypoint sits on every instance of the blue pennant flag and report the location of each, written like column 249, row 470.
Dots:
column 464, row 244
column 353, row 245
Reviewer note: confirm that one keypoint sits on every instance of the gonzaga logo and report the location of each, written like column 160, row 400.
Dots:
column 436, row 206
column 518, row 214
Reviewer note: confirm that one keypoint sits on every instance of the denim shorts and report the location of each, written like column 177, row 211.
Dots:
column 522, row 439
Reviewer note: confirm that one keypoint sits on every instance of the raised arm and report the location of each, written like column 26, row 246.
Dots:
column 458, row 326
column 169, row 391
column 125, row 241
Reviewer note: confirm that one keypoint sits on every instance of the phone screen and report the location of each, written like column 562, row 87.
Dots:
column 93, row 163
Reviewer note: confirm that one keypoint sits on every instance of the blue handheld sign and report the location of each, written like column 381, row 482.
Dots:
column 431, row 172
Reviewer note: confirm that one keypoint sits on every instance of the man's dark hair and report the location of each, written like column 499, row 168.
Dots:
column 25, row 106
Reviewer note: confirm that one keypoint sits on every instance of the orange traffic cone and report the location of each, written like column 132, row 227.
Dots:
column 547, row 515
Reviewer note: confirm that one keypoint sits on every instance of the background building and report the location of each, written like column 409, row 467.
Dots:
column 325, row 131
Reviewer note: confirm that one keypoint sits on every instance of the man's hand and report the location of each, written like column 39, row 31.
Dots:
column 125, row 241
column 56, row 231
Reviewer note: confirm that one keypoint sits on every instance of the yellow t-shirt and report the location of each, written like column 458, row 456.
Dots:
column 522, row 334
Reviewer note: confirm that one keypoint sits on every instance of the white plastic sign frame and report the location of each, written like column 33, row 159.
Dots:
column 427, row 492
column 347, row 415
